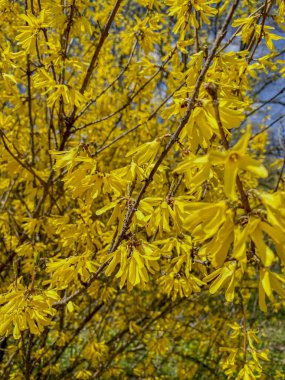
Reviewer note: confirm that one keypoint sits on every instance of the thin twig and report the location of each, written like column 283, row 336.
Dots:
column 213, row 91
column 154, row 113
column 103, row 37
column 131, row 98
column 183, row 122
column 268, row 126
column 93, row 101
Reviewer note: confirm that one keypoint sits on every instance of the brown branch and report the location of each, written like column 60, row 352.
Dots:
column 93, row 101
column 183, row 122
column 7, row 365
column 69, row 120
column 268, row 126
column 168, row 308
column 280, row 175
column 48, row 48
column 196, row 36
column 77, row 331
column 103, row 37
column 65, row 300
column 32, row 140
column 238, row 30
column 265, row 12
column 213, row 92
column 266, row 102
column 131, row 98
column 29, row 73
column 24, row 165
column 172, row 141
column 244, row 326
column 154, row 113
column 68, row 28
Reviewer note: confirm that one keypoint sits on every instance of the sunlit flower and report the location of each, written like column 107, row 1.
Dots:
column 234, row 160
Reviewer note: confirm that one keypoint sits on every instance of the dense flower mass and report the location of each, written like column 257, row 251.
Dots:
column 142, row 196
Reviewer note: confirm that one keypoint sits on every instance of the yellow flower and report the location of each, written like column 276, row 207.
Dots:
column 174, row 284
column 24, row 309
column 145, row 153
column 268, row 282
column 64, row 271
column 204, row 219
column 225, row 277
column 29, row 31
column 135, row 261
column 234, row 160
column 96, row 352
column 184, row 8
column 217, row 248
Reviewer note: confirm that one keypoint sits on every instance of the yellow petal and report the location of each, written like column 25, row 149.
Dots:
column 253, row 166
column 265, row 281
column 241, row 145
column 231, row 171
